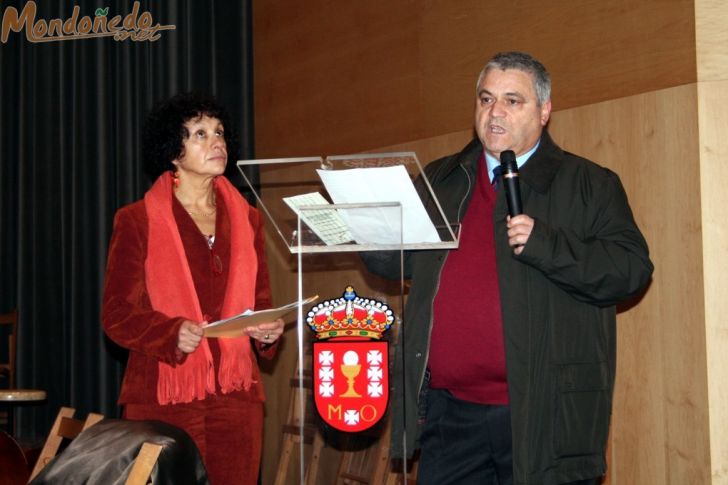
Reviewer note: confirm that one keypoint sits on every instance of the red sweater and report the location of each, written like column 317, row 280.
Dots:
column 466, row 350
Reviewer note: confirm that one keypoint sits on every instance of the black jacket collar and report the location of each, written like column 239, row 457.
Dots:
column 537, row 173
column 540, row 170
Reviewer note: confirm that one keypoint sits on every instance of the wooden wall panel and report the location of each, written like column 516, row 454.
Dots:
column 341, row 77
column 660, row 430
column 714, row 197
column 711, row 39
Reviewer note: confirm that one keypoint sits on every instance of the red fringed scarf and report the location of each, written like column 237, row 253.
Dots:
column 172, row 292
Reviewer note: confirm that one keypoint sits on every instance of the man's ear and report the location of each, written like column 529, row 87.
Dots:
column 545, row 112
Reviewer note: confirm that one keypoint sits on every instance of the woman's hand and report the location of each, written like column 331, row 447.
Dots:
column 189, row 336
column 266, row 333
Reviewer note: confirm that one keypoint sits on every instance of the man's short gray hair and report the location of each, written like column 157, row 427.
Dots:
column 522, row 62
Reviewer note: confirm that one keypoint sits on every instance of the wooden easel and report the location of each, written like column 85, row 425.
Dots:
column 293, row 438
column 369, row 466
column 373, row 466
column 364, row 466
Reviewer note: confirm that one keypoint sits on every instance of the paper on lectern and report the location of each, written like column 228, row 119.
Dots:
column 377, row 185
column 325, row 223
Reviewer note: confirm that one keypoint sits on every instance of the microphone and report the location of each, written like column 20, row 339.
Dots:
column 509, row 170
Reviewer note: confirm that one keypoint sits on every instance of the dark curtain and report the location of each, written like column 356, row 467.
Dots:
column 70, row 120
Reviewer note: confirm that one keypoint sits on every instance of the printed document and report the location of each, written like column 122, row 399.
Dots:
column 233, row 326
column 377, row 185
column 325, row 223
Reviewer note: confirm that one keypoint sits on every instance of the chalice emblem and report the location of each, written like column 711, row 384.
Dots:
column 350, row 368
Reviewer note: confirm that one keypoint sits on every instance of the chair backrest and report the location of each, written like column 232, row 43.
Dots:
column 64, row 427
column 129, row 452
column 144, row 464
column 9, row 321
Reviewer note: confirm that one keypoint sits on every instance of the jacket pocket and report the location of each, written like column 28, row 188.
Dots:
column 583, row 408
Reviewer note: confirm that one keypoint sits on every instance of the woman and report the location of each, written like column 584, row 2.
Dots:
column 189, row 253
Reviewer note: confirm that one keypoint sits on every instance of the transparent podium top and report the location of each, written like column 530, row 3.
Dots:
column 343, row 203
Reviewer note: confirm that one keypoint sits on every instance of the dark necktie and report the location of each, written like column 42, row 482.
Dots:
column 497, row 172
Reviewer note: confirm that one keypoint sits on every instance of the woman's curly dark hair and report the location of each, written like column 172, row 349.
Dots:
column 164, row 130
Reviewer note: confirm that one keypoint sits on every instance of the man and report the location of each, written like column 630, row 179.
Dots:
column 510, row 339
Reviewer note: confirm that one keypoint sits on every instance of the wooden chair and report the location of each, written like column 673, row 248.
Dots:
column 65, row 427
column 144, row 464
column 7, row 367
column 9, row 327
column 109, row 432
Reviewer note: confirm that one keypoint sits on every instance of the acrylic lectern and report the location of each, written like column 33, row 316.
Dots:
column 324, row 215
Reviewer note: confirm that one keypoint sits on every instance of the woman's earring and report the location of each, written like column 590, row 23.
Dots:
column 175, row 179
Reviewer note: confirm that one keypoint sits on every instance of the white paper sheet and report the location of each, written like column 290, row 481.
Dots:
column 234, row 326
column 380, row 184
column 326, row 224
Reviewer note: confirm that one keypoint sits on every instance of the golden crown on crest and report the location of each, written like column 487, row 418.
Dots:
column 350, row 316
